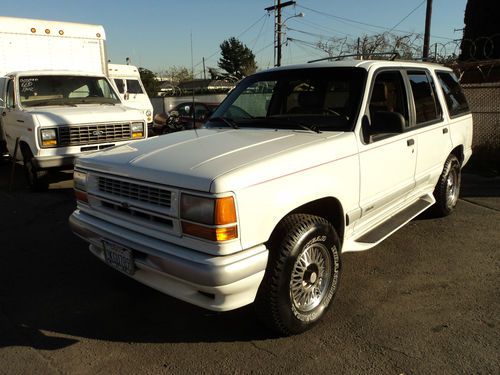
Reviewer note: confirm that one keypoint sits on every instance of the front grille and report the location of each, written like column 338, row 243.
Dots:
column 143, row 193
column 99, row 133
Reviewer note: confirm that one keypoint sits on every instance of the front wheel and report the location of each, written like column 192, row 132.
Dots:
column 302, row 274
column 448, row 187
column 37, row 179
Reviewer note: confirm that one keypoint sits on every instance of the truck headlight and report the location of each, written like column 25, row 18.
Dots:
column 149, row 115
column 49, row 137
column 137, row 129
column 213, row 219
column 80, row 185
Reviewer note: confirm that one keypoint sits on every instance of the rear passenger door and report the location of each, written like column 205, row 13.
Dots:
column 429, row 127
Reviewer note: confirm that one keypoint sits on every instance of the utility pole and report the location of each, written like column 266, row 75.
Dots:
column 204, row 72
column 277, row 28
column 427, row 33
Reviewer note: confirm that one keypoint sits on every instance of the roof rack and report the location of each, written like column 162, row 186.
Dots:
column 393, row 56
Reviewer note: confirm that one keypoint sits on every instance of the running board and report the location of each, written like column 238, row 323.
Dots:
column 389, row 226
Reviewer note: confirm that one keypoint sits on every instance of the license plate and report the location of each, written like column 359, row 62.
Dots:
column 119, row 257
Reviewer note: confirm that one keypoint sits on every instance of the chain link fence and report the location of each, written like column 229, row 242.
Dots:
column 484, row 102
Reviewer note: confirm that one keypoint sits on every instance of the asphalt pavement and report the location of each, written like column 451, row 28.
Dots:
column 425, row 301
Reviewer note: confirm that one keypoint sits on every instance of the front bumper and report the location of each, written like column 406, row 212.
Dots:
column 218, row 283
column 56, row 161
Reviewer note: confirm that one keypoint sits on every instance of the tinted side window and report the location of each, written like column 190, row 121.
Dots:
column 389, row 95
column 455, row 98
column 133, row 86
column 10, row 94
column 119, row 85
column 427, row 107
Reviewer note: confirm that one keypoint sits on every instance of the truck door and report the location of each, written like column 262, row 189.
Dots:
column 13, row 122
column 387, row 154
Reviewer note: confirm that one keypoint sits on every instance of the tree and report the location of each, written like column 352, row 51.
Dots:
column 481, row 39
column 237, row 59
column 370, row 45
column 151, row 84
column 178, row 74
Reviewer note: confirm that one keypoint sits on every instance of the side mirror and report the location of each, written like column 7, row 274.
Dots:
column 387, row 122
column 126, row 96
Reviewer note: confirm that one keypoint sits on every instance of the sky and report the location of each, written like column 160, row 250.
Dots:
column 158, row 34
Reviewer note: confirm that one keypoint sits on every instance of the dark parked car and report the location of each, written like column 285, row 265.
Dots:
column 181, row 117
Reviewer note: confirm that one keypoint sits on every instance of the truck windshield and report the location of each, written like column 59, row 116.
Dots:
column 302, row 98
column 35, row 91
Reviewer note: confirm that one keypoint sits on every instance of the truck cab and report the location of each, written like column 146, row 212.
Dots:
column 56, row 101
column 127, row 81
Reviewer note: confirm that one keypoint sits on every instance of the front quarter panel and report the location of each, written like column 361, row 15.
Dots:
column 262, row 205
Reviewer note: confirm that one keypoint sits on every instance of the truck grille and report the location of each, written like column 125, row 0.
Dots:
column 143, row 193
column 86, row 134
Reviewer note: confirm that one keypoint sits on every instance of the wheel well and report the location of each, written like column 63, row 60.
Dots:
column 459, row 153
column 328, row 208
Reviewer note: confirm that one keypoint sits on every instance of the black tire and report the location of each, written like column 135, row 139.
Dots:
column 294, row 295
column 36, row 178
column 447, row 189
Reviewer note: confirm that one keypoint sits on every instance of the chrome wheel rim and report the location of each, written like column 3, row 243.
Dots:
column 311, row 277
column 452, row 188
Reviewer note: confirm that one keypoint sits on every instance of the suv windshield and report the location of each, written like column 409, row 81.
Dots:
column 310, row 99
column 65, row 90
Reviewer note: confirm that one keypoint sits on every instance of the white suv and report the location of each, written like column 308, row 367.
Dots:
column 297, row 165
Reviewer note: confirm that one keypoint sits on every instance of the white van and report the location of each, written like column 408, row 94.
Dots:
column 56, row 101
column 127, row 81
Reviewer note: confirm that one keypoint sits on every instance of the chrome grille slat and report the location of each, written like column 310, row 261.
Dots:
column 138, row 192
column 79, row 135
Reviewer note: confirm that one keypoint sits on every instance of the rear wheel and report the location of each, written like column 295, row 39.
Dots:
column 302, row 274
column 36, row 178
column 447, row 189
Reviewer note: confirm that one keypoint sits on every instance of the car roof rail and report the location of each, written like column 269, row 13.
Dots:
column 393, row 55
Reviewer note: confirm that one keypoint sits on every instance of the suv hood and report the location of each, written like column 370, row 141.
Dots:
column 195, row 161
column 84, row 114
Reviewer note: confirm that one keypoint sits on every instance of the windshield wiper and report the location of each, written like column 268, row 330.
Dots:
column 49, row 103
column 226, row 120
column 313, row 128
column 286, row 121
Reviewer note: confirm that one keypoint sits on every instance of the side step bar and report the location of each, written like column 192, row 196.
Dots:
column 389, row 226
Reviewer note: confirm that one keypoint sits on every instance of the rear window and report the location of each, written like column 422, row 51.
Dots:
column 427, row 108
column 455, row 98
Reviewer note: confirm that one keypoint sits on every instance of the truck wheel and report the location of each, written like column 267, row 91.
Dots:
column 302, row 274
column 37, row 179
column 448, row 187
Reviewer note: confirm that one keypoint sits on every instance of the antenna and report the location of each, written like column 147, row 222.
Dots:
column 192, row 74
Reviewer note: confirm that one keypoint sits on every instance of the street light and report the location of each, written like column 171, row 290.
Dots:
column 278, row 35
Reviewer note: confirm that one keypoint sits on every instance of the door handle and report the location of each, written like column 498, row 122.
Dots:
column 410, row 142
column 445, row 130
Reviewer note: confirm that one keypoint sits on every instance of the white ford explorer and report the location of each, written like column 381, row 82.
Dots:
column 297, row 165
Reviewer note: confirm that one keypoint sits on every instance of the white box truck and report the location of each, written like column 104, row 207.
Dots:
column 56, row 101
column 127, row 81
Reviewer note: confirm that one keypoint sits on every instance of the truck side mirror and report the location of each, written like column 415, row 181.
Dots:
column 126, row 96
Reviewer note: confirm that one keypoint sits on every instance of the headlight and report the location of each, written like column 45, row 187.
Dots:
column 137, row 129
column 80, row 185
column 49, row 137
column 209, row 218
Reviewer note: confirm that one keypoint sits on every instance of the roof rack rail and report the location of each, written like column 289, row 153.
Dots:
column 393, row 56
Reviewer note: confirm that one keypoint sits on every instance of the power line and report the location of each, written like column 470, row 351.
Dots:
column 408, row 15
column 363, row 23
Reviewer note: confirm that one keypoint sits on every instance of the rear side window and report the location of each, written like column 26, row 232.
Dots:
column 427, row 107
column 119, row 85
column 133, row 86
column 455, row 98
